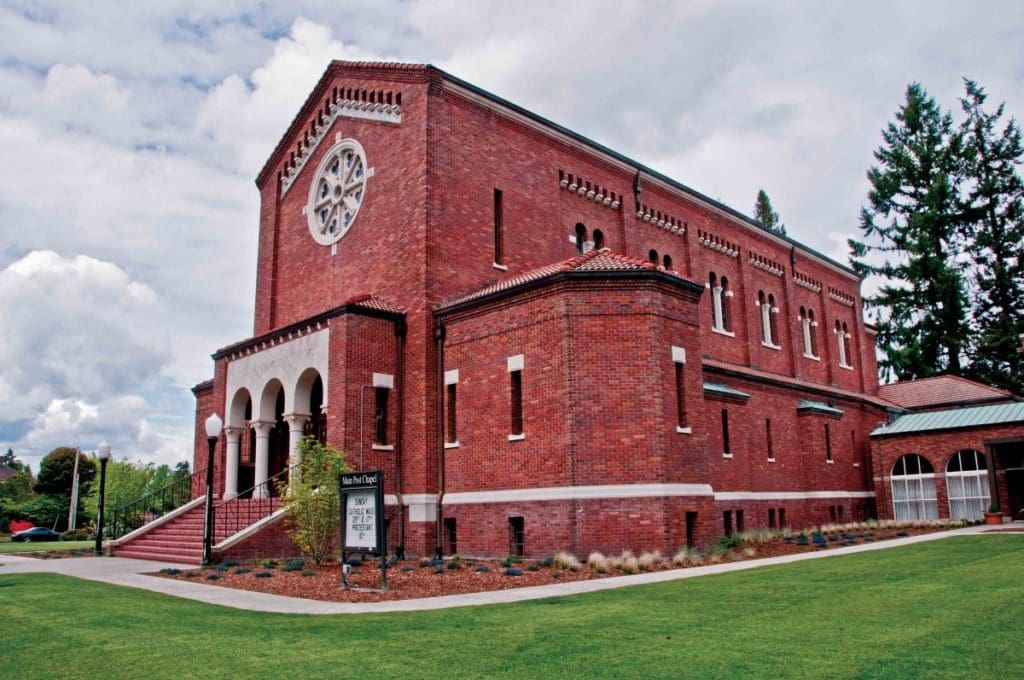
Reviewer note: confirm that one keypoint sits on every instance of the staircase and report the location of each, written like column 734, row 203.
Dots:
column 179, row 540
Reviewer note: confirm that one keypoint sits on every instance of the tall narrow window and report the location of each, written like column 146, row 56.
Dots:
column 846, row 346
column 451, row 534
column 652, row 257
column 727, row 522
column 739, row 521
column 725, row 295
column 773, row 323
column 679, row 363
column 813, row 325
column 782, row 518
column 843, row 345
column 691, row 528
column 771, row 518
column 765, row 311
column 828, row 443
column 499, row 236
column 380, row 415
column 716, row 302
column 768, row 438
column 598, row 239
column 516, row 383
column 807, row 325
column 666, row 262
column 726, row 451
column 451, row 424
column 581, row 238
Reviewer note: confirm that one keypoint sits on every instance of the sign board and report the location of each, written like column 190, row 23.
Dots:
column 362, row 512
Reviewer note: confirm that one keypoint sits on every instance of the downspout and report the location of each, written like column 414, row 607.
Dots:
column 400, row 329
column 439, row 332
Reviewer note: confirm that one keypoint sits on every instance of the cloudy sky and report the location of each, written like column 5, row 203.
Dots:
column 130, row 135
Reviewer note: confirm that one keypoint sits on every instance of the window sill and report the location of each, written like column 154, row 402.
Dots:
column 722, row 331
column 451, row 445
column 502, row 267
column 383, row 447
column 856, row 465
column 726, row 455
column 830, row 462
column 848, row 367
column 517, row 437
column 684, row 430
column 811, row 357
column 771, row 460
column 771, row 346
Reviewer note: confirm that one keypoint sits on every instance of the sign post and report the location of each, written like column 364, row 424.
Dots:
column 362, row 519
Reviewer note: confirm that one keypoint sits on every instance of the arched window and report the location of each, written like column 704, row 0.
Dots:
column 716, row 302
column 763, row 310
column 666, row 262
column 726, row 316
column 967, row 485
column 581, row 238
column 846, row 347
column 913, row 489
column 598, row 239
column 652, row 256
column 841, row 345
column 773, row 324
column 812, row 332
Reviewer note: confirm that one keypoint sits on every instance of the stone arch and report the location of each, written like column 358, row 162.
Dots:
column 267, row 407
column 236, row 411
column 302, row 390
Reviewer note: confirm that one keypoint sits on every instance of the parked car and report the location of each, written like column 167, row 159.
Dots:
column 36, row 534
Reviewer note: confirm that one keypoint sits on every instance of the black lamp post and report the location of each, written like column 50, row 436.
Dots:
column 103, row 453
column 213, row 425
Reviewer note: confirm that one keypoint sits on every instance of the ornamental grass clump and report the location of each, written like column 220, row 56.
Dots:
column 598, row 563
column 311, row 499
column 686, row 557
column 649, row 561
column 627, row 562
column 564, row 560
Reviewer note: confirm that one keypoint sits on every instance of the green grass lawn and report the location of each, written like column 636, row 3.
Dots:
column 6, row 546
column 948, row 608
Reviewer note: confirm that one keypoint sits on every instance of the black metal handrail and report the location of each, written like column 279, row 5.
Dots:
column 127, row 518
column 244, row 510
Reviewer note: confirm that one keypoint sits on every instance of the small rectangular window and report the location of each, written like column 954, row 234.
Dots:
column 451, row 433
column 727, row 522
column 832, row 514
column 771, row 518
column 516, row 536
column 451, row 535
column 782, row 518
column 828, row 443
column 725, row 433
column 516, row 389
column 499, row 236
column 380, row 415
column 768, row 438
column 691, row 528
column 739, row 521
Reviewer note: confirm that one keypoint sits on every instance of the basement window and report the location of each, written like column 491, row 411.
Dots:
column 516, row 536
column 451, row 536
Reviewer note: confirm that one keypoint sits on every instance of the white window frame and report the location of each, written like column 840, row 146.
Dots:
column 957, row 483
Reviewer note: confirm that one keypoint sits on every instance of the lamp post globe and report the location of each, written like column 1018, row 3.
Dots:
column 103, row 453
column 213, row 427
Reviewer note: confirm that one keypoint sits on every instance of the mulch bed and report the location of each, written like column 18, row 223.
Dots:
column 409, row 580
column 56, row 554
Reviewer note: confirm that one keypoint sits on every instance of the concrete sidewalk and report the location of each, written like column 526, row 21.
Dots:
column 129, row 572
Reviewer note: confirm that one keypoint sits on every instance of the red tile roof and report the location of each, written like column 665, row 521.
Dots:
column 374, row 302
column 943, row 390
column 603, row 260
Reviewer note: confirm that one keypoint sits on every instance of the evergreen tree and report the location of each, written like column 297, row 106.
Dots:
column 912, row 231
column 994, row 201
column 56, row 472
column 764, row 214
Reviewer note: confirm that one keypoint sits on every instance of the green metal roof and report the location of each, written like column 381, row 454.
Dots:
column 818, row 407
column 954, row 419
column 725, row 391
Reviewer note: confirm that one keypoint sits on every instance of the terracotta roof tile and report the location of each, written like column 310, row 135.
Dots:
column 941, row 390
column 603, row 260
column 374, row 302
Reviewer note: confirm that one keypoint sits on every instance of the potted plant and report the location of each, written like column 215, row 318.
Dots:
column 993, row 516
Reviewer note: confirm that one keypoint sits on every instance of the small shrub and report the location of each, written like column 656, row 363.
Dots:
column 626, row 562
column 533, row 567
column 214, row 576
column 482, row 569
column 749, row 551
column 242, row 570
column 549, row 561
column 263, row 574
column 191, row 574
column 455, row 562
column 725, row 543
column 269, row 564
column 75, row 535
column 687, row 556
column 170, row 571
column 598, row 563
column 407, row 568
column 424, row 563
column 514, row 559
column 512, row 571
column 294, row 565
column 230, row 563
column 564, row 560
column 220, row 567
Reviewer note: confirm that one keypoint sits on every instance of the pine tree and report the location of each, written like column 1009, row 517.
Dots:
column 912, row 230
column 994, row 199
column 764, row 214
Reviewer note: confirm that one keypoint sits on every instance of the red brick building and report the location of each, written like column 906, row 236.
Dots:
column 542, row 343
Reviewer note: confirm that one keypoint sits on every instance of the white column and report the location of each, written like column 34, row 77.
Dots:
column 234, row 440
column 262, row 429
column 296, row 428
